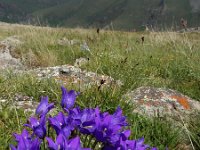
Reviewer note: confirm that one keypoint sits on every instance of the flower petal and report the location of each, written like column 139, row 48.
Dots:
column 68, row 98
column 51, row 144
column 42, row 106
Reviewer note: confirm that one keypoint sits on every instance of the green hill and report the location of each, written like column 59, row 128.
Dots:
column 122, row 14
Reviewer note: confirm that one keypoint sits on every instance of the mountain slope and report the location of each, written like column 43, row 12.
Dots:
column 123, row 14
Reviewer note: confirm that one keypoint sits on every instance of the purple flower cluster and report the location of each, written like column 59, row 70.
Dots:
column 109, row 131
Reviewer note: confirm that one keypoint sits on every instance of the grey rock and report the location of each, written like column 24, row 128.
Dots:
column 20, row 102
column 160, row 102
column 68, row 74
column 6, row 59
column 27, row 106
column 11, row 41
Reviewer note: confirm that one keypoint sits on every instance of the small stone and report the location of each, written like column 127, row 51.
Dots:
column 65, row 71
column 81, row 61
column 20, row 97
column 84, row 47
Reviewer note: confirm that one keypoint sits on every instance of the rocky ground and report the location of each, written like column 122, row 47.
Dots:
column 150, row 101
column 66, row 74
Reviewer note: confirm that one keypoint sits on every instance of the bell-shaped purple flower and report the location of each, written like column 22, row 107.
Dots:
column 108, row 126
column 61, row 124
column 140, row 144
column 115, row 138
column 136, row 144
column 102, row 124
column 75, row 144
column 84, row 119
column 38, row 126
column 62, row 143
column 118, row 118
column 57, row 122
column 68, row 98
column 43, row 108
column 125, row 144
column 25, row 142
column 24, row 134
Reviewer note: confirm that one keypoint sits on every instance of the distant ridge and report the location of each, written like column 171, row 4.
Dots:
column 122, row 14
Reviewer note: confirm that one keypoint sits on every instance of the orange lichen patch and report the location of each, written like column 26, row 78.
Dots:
column 2, row 46
column 148, row 104
column 64, row 80
column 161, row 94
column 148, row 97
column 156, row 103
column 141, row 101
column 182, row 100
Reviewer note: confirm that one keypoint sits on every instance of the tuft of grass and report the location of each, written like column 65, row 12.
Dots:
column 28, row 85
column 194, row 130
column 9, row 124
column 158, row 132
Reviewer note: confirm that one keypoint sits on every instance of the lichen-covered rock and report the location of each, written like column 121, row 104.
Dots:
column 152, row 101
column 20, row 101
column 27, row 106
column 11, row 41
column 6, row 59
column 71, row 75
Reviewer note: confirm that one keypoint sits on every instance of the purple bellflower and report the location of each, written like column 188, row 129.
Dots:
column 107, row 126
column 116, row 138
column 24, row 134
column 43, row 108
column 61, row 124
column 133, row 144
column 68, row 98
column 125, row 144
column 38, row 126
column 118, row 118
column 25, row 142
column 102, row 123
column 84, row 119
column 107, row 129
column 62, row 143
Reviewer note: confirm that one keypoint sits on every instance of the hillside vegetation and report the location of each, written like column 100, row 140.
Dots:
column 117, row 14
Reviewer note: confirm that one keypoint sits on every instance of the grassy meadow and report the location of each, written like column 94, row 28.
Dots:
column 164, row 59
